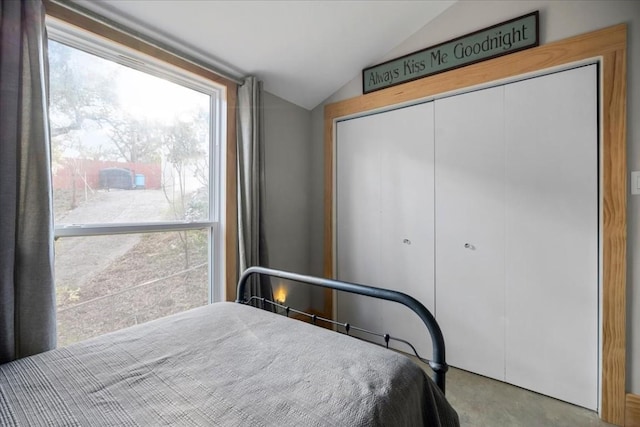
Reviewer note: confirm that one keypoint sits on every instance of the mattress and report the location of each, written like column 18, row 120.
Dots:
column 224, row 364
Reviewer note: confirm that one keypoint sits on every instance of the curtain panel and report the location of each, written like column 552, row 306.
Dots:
column 252, row 247
column 27, row 290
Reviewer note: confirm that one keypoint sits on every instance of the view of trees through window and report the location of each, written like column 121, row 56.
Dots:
column 128, row 148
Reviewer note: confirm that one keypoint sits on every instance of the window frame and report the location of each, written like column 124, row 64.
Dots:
column 73, row 29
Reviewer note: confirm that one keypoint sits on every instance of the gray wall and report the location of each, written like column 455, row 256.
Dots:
column 287, row 151
column 558, row 20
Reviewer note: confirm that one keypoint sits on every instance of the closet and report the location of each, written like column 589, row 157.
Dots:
column 507, row 205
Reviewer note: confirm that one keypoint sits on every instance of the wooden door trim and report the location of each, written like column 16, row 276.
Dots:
column 632, row 417
column 609, row 47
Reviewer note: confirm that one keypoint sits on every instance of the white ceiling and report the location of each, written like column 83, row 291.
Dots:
column 304, row 51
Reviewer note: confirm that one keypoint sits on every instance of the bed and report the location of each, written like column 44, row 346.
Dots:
column 229, row 364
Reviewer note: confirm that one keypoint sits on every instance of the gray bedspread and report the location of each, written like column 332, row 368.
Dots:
column 221, row 365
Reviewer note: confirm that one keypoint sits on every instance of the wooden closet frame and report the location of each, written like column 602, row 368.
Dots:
column 607, row 46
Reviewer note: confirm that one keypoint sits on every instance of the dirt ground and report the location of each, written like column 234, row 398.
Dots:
column 105, row 283
column 97, row 253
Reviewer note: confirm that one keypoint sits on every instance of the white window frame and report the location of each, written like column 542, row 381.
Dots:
column 86, row 41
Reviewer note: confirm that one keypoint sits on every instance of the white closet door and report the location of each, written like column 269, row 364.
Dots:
column 385, row 218
column 407, row 227
column 358, row 217
column 470, row 229
column 552, row 235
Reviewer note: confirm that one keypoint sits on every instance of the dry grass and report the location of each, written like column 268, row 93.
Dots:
column 151, row 280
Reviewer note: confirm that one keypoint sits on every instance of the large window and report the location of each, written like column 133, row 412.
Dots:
column 136, row 178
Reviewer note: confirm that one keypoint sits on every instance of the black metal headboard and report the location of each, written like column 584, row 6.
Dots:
column 437, row 362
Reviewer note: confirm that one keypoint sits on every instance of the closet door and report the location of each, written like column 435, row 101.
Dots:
column 384, row 218
column 552, row 235
column 357, row 217
column 470, row 229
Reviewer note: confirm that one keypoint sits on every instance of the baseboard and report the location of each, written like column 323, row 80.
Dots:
column 632, row 411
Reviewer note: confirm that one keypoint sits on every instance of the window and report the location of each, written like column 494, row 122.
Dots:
column 135, row 149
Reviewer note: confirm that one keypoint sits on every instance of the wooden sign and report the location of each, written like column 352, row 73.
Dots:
column 500, row 39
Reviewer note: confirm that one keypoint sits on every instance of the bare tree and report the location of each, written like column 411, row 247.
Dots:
column 81, row 99
column 78, row 94
column 135, row 139
column 184, row 153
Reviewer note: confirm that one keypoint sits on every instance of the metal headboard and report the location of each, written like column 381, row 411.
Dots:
column 437, row 363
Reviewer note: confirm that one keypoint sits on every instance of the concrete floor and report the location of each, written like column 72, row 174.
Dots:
column 481, row 402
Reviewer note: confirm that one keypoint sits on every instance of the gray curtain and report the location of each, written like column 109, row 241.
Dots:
column 252, row 247
column 27, row 292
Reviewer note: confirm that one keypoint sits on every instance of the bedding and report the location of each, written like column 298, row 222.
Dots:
column 225, row 364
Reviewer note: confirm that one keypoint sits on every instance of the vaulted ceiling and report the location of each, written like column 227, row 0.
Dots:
column 304, row 51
